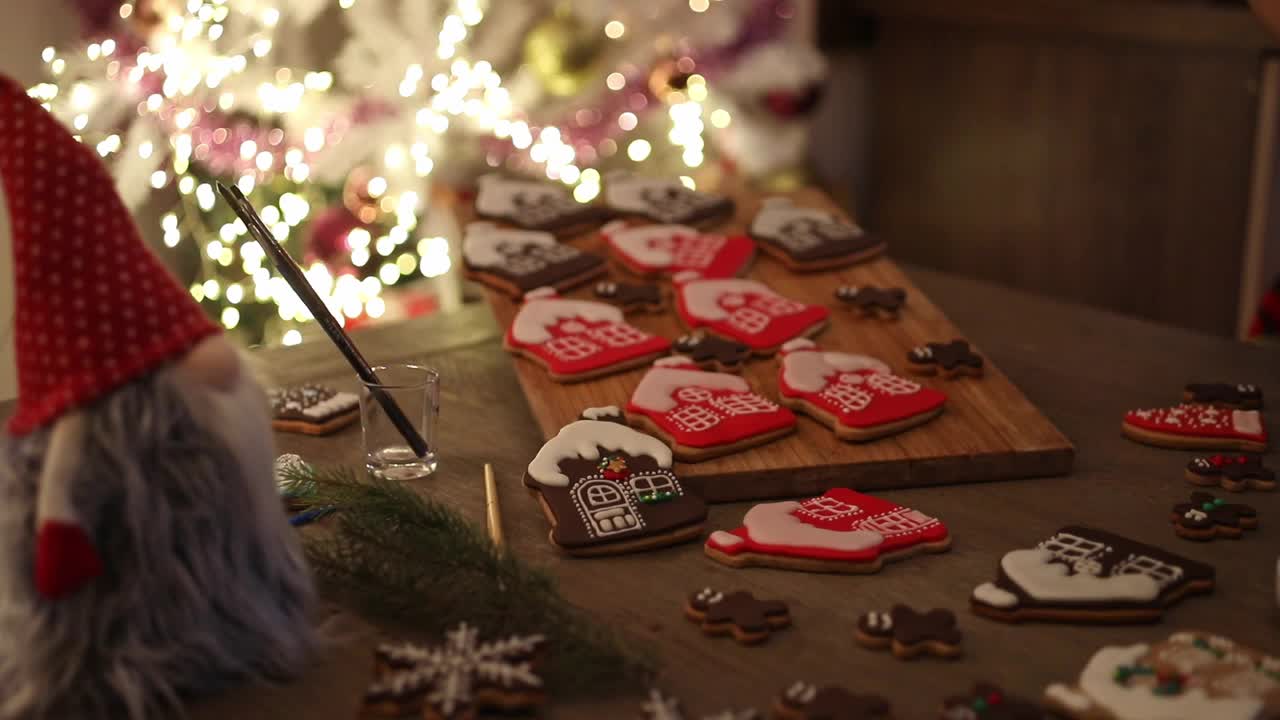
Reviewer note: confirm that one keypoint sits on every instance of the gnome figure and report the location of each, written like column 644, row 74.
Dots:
column 144, row 554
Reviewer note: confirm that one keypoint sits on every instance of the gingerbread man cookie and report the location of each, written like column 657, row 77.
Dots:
column 873, row 302
column 455, row 679
column 989, row 702
column 1232, row 472
column 663, row 201
column 517, row 261
column 808, row 239
column 739, row 614
column 909, row 634
column 806, row 701
column 711, row 352
column 950, row 360
column 534, row 205
column 1207, row 517
column 1239, row 396
column 1195, row 426
column 632, row 298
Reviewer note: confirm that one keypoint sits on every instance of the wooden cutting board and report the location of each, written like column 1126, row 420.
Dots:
column 989, row 431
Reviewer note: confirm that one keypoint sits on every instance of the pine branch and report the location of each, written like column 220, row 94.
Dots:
column 398, row 558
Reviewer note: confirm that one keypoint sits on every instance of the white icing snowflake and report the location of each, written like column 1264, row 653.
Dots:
column 662, row 707
column 450, row 672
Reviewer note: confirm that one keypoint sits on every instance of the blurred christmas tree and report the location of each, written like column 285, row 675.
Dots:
column 339, row 150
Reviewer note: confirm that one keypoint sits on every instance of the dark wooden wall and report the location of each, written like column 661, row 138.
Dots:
column 1095, row 151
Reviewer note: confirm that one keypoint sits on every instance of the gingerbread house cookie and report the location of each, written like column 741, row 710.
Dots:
column 607, row 488
column 656, row 250
column 1194, row 426
column 704, row 414
column 517, row 261
column 1189, row 676
column 747, row 311
column 312, row 409
column 534, row 205
column 808, row 239
column 578, row 339
column 1086, row 575
column 857, row 396
column 841, row 531
column 663, row 201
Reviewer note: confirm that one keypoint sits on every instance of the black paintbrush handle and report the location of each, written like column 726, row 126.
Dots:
column 298, row 281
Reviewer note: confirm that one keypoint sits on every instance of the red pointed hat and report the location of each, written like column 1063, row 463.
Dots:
column 95, row 309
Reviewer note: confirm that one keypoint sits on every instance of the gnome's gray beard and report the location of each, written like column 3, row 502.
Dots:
column 204, row 583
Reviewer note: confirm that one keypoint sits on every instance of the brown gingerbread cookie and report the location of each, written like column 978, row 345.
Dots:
column 712, row 352
column 910, row 634
column 1231, row 472
column 807, row 239
column 534, row 205
column 949, row 360
column 989, row 702
column 805, row 701
column 1207, row 517
column 312, row 409
column 872, row 301
column 631, row 297
column 1238, row 396
column 455, row 679
column 663, row 201
column 739, row 613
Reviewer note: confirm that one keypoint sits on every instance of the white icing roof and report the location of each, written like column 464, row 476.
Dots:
column 701, row 297
column 536, row 315
column 495, row 194
column 807, row 371
column 637, row 241
column 778, row 211
column 582, row 439
column 482, row 240
column 655, row 389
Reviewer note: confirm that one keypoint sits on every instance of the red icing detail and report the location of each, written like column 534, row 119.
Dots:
column 865, row 398
column 994, row 698
column 758, row 320
column 578, row 345
column 712, row 256
column 95, row 309
column 1191, row 420
column 901, row 527
column 65, row 559
column 708, row 417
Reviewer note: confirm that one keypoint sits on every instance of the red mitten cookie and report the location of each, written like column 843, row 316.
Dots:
column 704, row 414
column 857, row 396
column 608, row 489
column 1195, row 426
column 841, row 531
column 747, row 311
column 651, row 250
column 578, row 339
column 517, row 261
column 534, row 205
column 663, row 201
column 806, row 239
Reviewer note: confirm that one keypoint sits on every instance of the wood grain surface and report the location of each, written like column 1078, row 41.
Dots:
column 1083, row 367
column 989, row 431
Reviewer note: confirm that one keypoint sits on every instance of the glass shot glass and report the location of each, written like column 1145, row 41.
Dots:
column 416, row 389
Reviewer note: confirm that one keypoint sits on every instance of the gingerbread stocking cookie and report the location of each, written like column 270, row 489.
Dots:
column 607, row 488
column 704, row 414
column 746, row 311
column 857, row 396
column 534, row 205
column 1197, row 426
column 1089, row 576
column 578, row 339
column 842, row 531
column 663, row 201
column 517, row 261
column 807, row 239
column 656, row 250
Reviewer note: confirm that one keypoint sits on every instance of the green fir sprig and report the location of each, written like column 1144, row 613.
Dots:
column 414, row 565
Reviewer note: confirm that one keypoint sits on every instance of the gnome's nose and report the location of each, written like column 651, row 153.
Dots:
column 65, row 559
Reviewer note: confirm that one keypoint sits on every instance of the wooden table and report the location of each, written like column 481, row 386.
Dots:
column 1082, row 367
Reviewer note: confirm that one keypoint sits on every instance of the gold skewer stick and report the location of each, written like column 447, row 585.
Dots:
column 492, row 509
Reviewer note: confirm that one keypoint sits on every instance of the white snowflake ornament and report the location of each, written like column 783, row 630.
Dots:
column 458, row 677
column 663, row 707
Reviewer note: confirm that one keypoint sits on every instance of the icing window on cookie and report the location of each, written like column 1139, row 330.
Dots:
column 891, row 384
column 776, row 305
column 748, row 320
column 698, row 251
column 1066, row 546
column 1163, row 573
column 693, row 418
column 571, row 347
column 615, row 335
column 850, row 398
column 743, row 404
column 605, row 508
column 693, row 394
column 654, row 488
column 897, row 522
column 827, row 508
